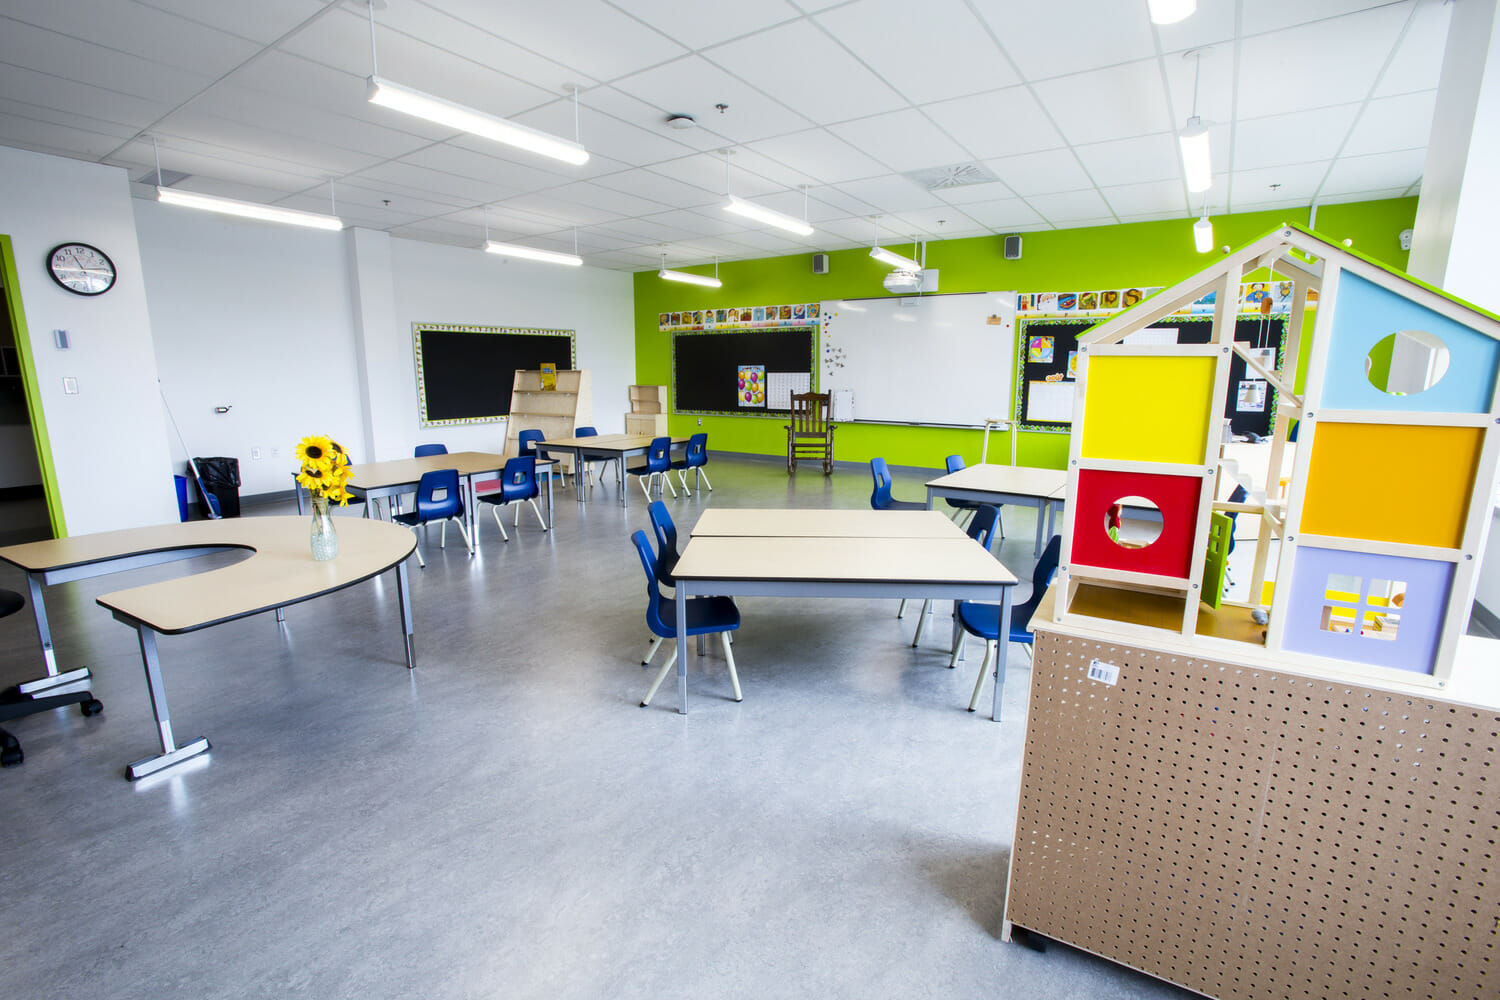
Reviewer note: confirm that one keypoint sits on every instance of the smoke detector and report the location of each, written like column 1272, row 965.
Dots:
column 681, row 121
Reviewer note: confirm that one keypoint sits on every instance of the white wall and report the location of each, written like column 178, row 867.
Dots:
column 108, row 442
column 444, row 284
column 257, row 317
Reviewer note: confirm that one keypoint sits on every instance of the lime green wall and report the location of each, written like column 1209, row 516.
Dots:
column 1144, row 253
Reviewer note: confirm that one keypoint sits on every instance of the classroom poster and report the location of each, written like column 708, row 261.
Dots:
column 1039, row 350
column 752, row 387
column 740, row 317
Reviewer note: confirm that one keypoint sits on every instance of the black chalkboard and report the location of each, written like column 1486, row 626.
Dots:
column 465, row 373
column 1253, row 331
column 705, row 366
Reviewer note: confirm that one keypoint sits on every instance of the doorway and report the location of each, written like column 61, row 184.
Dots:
column 28, row 512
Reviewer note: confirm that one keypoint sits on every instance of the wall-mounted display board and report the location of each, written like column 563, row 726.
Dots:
column 725, row 371
column 1046, row 362
column 927, row 359
column 465, row 373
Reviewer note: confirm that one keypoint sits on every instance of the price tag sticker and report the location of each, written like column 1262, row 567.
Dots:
column 1106, row 673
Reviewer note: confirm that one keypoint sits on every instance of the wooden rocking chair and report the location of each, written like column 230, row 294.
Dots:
column 809, row 435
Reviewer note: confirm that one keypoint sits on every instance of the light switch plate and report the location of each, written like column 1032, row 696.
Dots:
column 70, row 385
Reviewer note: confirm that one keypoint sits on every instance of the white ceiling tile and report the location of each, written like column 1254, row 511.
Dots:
column 1210, row 76
column 1131, row 161
column 1068, row 36
column 991, row 191
column 1162, row 217
column 999, row 123
column 24, row 46
column 241, row 137
column 479, row 162
column 664, row 190
column 434, row 25
column 892, row 193
column 750, row 161
column 1158, row 197
column 1113, row 103
column 617, row 203
column 635, row 111
column 1298, row 181
column 1041, row 173
column 933, row 222
column 1352, row 174
column 819, row 154
column 902, row 140
column 842, row 201
column 145, row 32
column 1316, row 65
column 463, row 190
column 1210, row 24
column 694, row 86
column 971, row 62
column 48, row 137
column 705, row 170
column 1007, row 213
column 1378, row 194
column 1391, row 123
column 300, row 120
column 567, row 213
column 1419, row 57
column 1292, row 138
column 699, row 25
column 263, row 21
column 796, row 64
column 45, row 91
column 599, row 131
column 587, row 35
column 1273, row 15
column 1070, row 206
column 372, row 194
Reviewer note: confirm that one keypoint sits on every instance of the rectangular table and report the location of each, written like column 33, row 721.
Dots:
column 857, row 558
column 607, row 446
column 1044, row 489
column 280, row 572
column 389, row 480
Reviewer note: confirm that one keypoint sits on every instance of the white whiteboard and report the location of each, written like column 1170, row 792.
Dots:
column 924, row 359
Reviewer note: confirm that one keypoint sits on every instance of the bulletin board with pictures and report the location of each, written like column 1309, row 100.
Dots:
column 1047, row 366
column 741, row 372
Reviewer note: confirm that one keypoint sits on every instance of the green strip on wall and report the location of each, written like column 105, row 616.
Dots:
column 33, row 391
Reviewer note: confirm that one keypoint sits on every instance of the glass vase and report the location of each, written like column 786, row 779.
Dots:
column 325, row 540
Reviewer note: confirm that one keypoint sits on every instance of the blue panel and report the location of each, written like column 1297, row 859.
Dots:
column 1364, row 313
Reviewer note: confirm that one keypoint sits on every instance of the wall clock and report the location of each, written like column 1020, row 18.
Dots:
column 81, row 269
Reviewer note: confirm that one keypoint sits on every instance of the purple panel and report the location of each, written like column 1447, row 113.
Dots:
column 1415, row 647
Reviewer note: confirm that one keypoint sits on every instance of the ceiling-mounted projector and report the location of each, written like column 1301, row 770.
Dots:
column 903, row 281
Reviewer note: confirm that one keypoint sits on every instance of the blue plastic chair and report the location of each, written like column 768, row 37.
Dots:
column 695, row 458
column 983, row 620
column 953, row 464
column 590, row 457
column 658, row 462
column 438, row 499
column 982, row 530
column 666, row 543
column 705, row 616
column 527, row 442
column 517, row 483
column 423, row 450
column 880, row 498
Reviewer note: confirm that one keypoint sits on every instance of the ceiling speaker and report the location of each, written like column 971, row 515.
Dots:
column 1012, row 248
column 820, row 263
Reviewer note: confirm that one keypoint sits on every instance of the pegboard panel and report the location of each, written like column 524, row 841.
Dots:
column 1246, row 833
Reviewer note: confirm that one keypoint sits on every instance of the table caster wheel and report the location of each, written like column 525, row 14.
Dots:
column 11, row 756
column 91, row 707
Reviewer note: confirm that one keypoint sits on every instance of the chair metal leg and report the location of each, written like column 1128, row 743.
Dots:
column 984, row 668
column 734, row 676
column 704, row 476
column 495, row 510
column 682, row 478
column 958, row 649
column 655, row 645
column 462, row 532
column 921, row 622
column 537, row 511
column 668, row 481
column 443, row 535
column 902, row 609
column 418, row 551
column 644, row 488
column 661, row 675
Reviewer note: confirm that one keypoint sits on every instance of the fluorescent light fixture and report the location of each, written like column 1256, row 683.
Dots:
column 1170, row 11
column 894, row 259
column 691, row 279
column 532, row 253
column 750, row 210
column 247, row 209
column 436, row 109
column 1203, row 235
column 1196, row 163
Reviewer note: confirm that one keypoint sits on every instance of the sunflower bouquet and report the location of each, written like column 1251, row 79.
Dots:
column 325, row 468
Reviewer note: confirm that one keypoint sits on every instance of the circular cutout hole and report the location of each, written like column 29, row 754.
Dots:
column 1133, row 522
column 1407, row 362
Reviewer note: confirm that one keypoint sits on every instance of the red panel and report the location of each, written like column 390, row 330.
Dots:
column 1175, row 496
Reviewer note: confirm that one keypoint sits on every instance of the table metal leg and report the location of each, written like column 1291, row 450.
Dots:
column 404, row 595
column 1041, row 511
column 682, row 649
column 301, row 497
column 549, row 494
column 54, row 681
column 1002, row 651
column 171, row 753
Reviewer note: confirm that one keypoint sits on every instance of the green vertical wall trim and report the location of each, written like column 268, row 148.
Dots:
column 33, row 391
column 1133, row 254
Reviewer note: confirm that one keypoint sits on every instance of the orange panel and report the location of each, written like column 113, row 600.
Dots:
column 1391, row 483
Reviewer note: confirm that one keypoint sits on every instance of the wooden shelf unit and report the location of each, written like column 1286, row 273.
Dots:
column 648, row 410
column 554, row 412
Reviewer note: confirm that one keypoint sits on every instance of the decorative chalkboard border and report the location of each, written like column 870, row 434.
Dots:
column 417, row 329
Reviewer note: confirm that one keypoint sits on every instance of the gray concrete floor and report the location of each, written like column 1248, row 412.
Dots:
column 505, row 821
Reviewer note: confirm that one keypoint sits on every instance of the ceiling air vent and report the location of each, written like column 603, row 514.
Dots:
column 957, row 175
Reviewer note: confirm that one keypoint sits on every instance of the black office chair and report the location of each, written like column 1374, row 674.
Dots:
column 14, row 704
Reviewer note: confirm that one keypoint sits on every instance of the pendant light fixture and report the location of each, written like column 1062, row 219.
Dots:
column 1203, row 231
column 414, row 102
column 888, row 257
column 1197, row 163
column 530, row 253
column 690, row 279
column 1170, row 11
column 244, row 209
column 750, row 210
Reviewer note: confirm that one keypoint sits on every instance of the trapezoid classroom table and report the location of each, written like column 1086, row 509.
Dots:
column 608, row 446
column 389, row 480
column 855, row 553
column 280, row 572
column 1044, row 489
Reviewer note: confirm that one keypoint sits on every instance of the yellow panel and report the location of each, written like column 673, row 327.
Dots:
column 1391, row 483
column 1148, row 409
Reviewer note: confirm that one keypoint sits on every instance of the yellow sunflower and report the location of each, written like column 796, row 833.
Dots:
column 315, row 478
column 315, row 450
